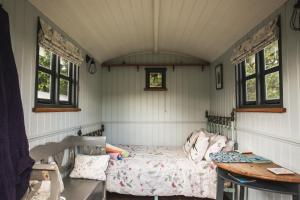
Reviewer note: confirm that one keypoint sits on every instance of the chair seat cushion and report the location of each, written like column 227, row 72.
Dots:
column 82, row 189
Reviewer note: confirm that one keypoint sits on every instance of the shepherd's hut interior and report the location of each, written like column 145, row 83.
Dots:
column 150, row 99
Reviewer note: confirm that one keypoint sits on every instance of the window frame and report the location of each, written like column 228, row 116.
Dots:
column 162, row 71
column 54, row 101
column 261, row 101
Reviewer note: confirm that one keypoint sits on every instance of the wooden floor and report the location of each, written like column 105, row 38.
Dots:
column 114, row 196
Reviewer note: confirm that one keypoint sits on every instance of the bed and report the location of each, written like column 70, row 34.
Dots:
column 161, row 171
column 167, row 171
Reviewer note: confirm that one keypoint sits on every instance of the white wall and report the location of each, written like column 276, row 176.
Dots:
column 275, row 136
column 134, row 116
column 43, row 127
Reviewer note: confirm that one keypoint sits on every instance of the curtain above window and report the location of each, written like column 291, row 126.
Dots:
column 258, row 41
column 55, row 42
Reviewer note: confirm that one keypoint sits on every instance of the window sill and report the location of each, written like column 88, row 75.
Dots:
column 155, row 89
column 264, row 110
column 56, row 109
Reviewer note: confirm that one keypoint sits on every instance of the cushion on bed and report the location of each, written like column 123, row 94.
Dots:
column 216, row 144
column 115, row 156
column 229, row 146
column 198, row 150
column 190, row 141
column 113, row 149
column 90, row 167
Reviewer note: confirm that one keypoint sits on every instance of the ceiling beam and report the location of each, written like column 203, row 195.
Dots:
column 156, row 7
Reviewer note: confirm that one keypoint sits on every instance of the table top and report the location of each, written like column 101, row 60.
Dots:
column 258, row 170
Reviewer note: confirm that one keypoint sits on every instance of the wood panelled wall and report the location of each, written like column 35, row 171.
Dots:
column 134, row 116
column 276, row 136
column 43, row 127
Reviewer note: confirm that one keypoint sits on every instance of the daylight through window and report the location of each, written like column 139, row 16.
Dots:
column 56, row 82
column 259, row 79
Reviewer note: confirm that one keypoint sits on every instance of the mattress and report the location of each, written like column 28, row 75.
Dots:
column 161, row 171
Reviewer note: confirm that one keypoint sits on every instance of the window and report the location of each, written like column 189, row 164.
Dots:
column 56, row 81
column 258, row 79
column 155, row 79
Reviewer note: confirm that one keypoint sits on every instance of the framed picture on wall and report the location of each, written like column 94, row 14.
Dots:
column 219, row 76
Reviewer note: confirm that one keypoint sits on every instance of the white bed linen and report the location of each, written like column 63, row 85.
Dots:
column 161, row 171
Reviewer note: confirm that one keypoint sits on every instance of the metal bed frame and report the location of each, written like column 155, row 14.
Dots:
column 226, row 126
column 223, row 126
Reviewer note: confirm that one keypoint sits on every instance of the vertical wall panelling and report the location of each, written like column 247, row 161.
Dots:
column 43, row 127
column 135, row 116
column 276, row 136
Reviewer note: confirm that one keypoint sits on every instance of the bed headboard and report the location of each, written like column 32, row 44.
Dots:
column 223, row 125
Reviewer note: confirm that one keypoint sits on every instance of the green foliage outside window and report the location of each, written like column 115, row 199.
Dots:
column 44, row 82
column 251, row 89
column 250, row 66
column 272, row 86
column 44, row 58
column 63, row 87
column 271, row 55
column 45, row 73
column 155, row 80
column 64, row 67
column 44, row 79
column 272, row 82
column 260, row 70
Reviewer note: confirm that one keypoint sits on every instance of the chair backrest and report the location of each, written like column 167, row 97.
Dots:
column 63, row 153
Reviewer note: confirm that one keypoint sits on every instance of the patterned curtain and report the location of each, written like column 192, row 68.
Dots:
column 53, row 41
column 262, row 38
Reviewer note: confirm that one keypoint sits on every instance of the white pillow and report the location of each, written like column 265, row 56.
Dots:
column 229, row 146
column 216, row 144
column 190, row 141
column 90, row 167
column 199, row 148
column 208, row 134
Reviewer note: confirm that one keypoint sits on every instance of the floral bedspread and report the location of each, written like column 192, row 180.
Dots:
column 161, row 171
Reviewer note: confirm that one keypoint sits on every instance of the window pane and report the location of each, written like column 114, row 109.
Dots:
column 64, row 67
column 271, row 55
column 155, row 79
column 44, row 85
column 251, row 90
column 63, row 90
column 250, row 67
column 45, row 58
column 272, row 86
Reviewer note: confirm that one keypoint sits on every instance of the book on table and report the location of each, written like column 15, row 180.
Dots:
column 280, row 171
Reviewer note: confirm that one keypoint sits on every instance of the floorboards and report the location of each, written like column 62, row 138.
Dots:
column 114, row 196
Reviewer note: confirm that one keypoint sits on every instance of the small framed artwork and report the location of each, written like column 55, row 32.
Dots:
column 155, row 79
column 219, row 76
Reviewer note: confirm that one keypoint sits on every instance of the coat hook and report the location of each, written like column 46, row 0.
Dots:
column 173, row 68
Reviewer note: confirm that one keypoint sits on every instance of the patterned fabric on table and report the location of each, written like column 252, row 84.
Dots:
column 161, row 171
column 235, row 157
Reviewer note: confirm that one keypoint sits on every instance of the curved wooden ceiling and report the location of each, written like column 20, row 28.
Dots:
column 111, row 28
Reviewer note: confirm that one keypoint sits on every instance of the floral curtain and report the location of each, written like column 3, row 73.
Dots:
column 262, row 38
column 53, row 41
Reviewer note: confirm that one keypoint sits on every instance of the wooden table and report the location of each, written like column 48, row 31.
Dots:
column 265, row 180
